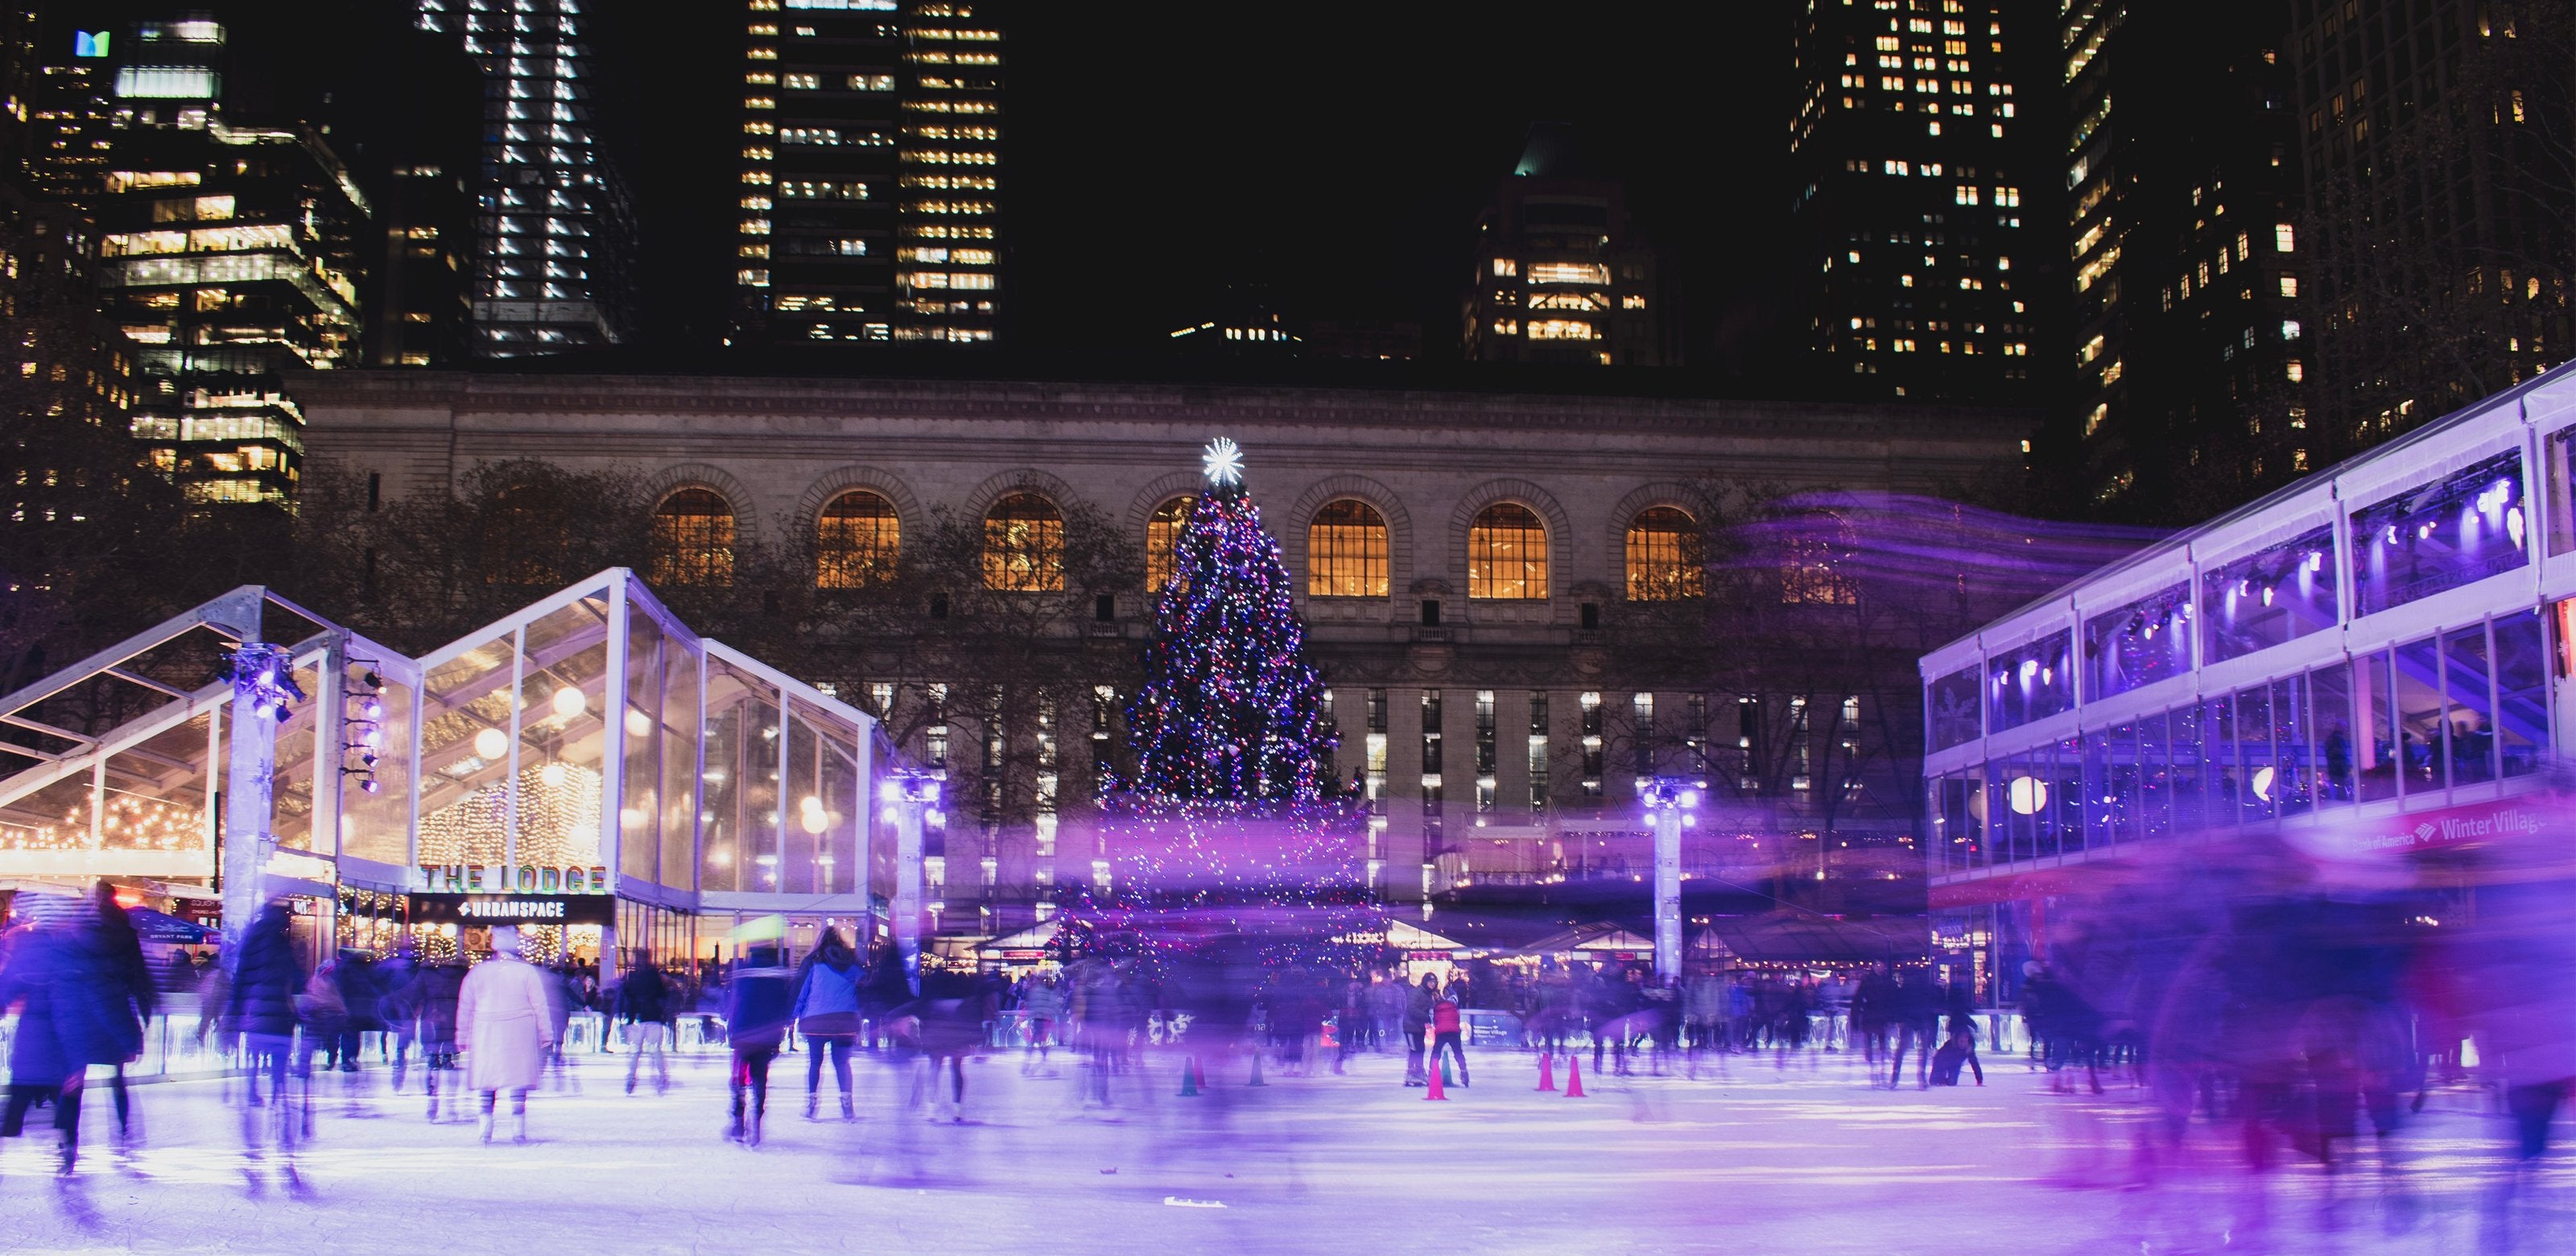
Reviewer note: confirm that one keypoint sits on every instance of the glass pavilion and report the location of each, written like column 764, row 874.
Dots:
column 587, row 747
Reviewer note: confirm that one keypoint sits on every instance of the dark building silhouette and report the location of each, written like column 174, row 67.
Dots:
column 2189, row 383
column 1561, row 275
column 871, row 174
column 1926, row 196
column 2435, row 140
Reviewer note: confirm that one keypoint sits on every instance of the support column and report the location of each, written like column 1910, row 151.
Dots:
column 1667, row 799
column 262, row 676
column 911, row 796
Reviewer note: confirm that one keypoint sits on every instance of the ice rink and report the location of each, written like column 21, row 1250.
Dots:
column 1753, row 1157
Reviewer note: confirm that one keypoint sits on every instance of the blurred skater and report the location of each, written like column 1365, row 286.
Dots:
column 759, row 1006
column 644, row 1003
column 504, row 1018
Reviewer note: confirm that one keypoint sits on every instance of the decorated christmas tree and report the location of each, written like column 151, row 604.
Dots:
column 1231, row 710
column 1231, row 823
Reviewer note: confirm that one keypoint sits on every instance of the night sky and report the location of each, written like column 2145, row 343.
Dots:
column 1336, row 153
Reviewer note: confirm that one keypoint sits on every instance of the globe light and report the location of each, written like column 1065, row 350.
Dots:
column 569, row 702
column 491, row 744
column 814, row 821
column 2027, row 795
column 638, row 724
column 552, row 774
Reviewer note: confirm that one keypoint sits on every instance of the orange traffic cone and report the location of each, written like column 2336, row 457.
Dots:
column 1547, row 1070
column 1574, row 1077
column 1435, row 1092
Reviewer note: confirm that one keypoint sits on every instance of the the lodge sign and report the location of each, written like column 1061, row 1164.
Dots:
column 524, row 879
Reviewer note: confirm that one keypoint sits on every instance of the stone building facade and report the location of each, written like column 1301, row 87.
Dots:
column 1479, row 540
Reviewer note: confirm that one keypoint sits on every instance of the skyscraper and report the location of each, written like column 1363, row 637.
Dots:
column 871, row 173
column 1560, row 274
column 553, row 264
column 2435, row 140
column 1915, row 147
column 2188, row 337
column 229, row 258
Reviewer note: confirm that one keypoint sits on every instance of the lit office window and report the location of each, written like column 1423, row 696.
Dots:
column 856, row 541
column 1346, row 551
column 1024, row 545
column 1663, row 556
column 693, row 539
column 1162, row 540
column 1507, row 554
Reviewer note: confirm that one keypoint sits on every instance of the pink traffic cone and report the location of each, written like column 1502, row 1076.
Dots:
column 1574, row 1077
column 1547, row 1070
column 1435, row 1092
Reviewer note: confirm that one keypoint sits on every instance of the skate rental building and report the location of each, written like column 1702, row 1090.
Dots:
column 2370, row 662
column 587, row 768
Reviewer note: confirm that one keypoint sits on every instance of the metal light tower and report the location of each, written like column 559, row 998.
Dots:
column 911, row 799
column 1671, row 804
column 263, row 680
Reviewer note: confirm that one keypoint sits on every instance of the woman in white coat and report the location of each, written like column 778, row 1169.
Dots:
column 505, row 1026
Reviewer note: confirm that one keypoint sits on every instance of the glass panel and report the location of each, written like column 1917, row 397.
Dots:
column 2470, row 723
column 639, row 814
column 2522, row 691
column 2562, row 501
column 2330, row 733
column 2029, row 683
column 2063, row 830
column 53, row 818
column 563, row 692
column 2382, row 756
column 2256, row 781
column 2100, row 796
column 2138, row 644
column 1962, row 809
column 2024, row 795
column 2293, row 789
column 2265, row 598
column 2465, row 527
column 1952, row 701
column 465, row 756
column 839, row 814
column 680, row 809
column 377, row 825
column 291, row 788
column 2218, row 761
column 156, row 792
column 746, row 851
column 719, row 811
column 804, row 819
column 2419, row 716
column 2189, row 774
column 2155, row 779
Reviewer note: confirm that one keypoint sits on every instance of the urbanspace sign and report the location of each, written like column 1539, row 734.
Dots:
column 512, row 909
column 524, row 879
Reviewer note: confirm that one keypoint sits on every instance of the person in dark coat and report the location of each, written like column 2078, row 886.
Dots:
column 760, row 1002
column 261, row 1008
column 67, row 994
column 361, row 999
column 644, row 1004
column 434, row 1006
column 126, row 994
column 397, row 982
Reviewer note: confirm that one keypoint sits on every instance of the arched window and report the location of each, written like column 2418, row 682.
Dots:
column 1346, row 551
column 1024, row 545
column 515, row 539
column 856, row 541
column 1163, row 539
column 1663, row 556
column 1507, row 554
column 693, row 539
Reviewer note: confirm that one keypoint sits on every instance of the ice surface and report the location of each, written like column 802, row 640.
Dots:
column 1805, row 1159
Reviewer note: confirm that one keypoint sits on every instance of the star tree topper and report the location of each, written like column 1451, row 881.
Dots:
column 1222, row 463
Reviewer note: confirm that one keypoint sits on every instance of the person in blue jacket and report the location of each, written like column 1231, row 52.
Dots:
column 828, row 1013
